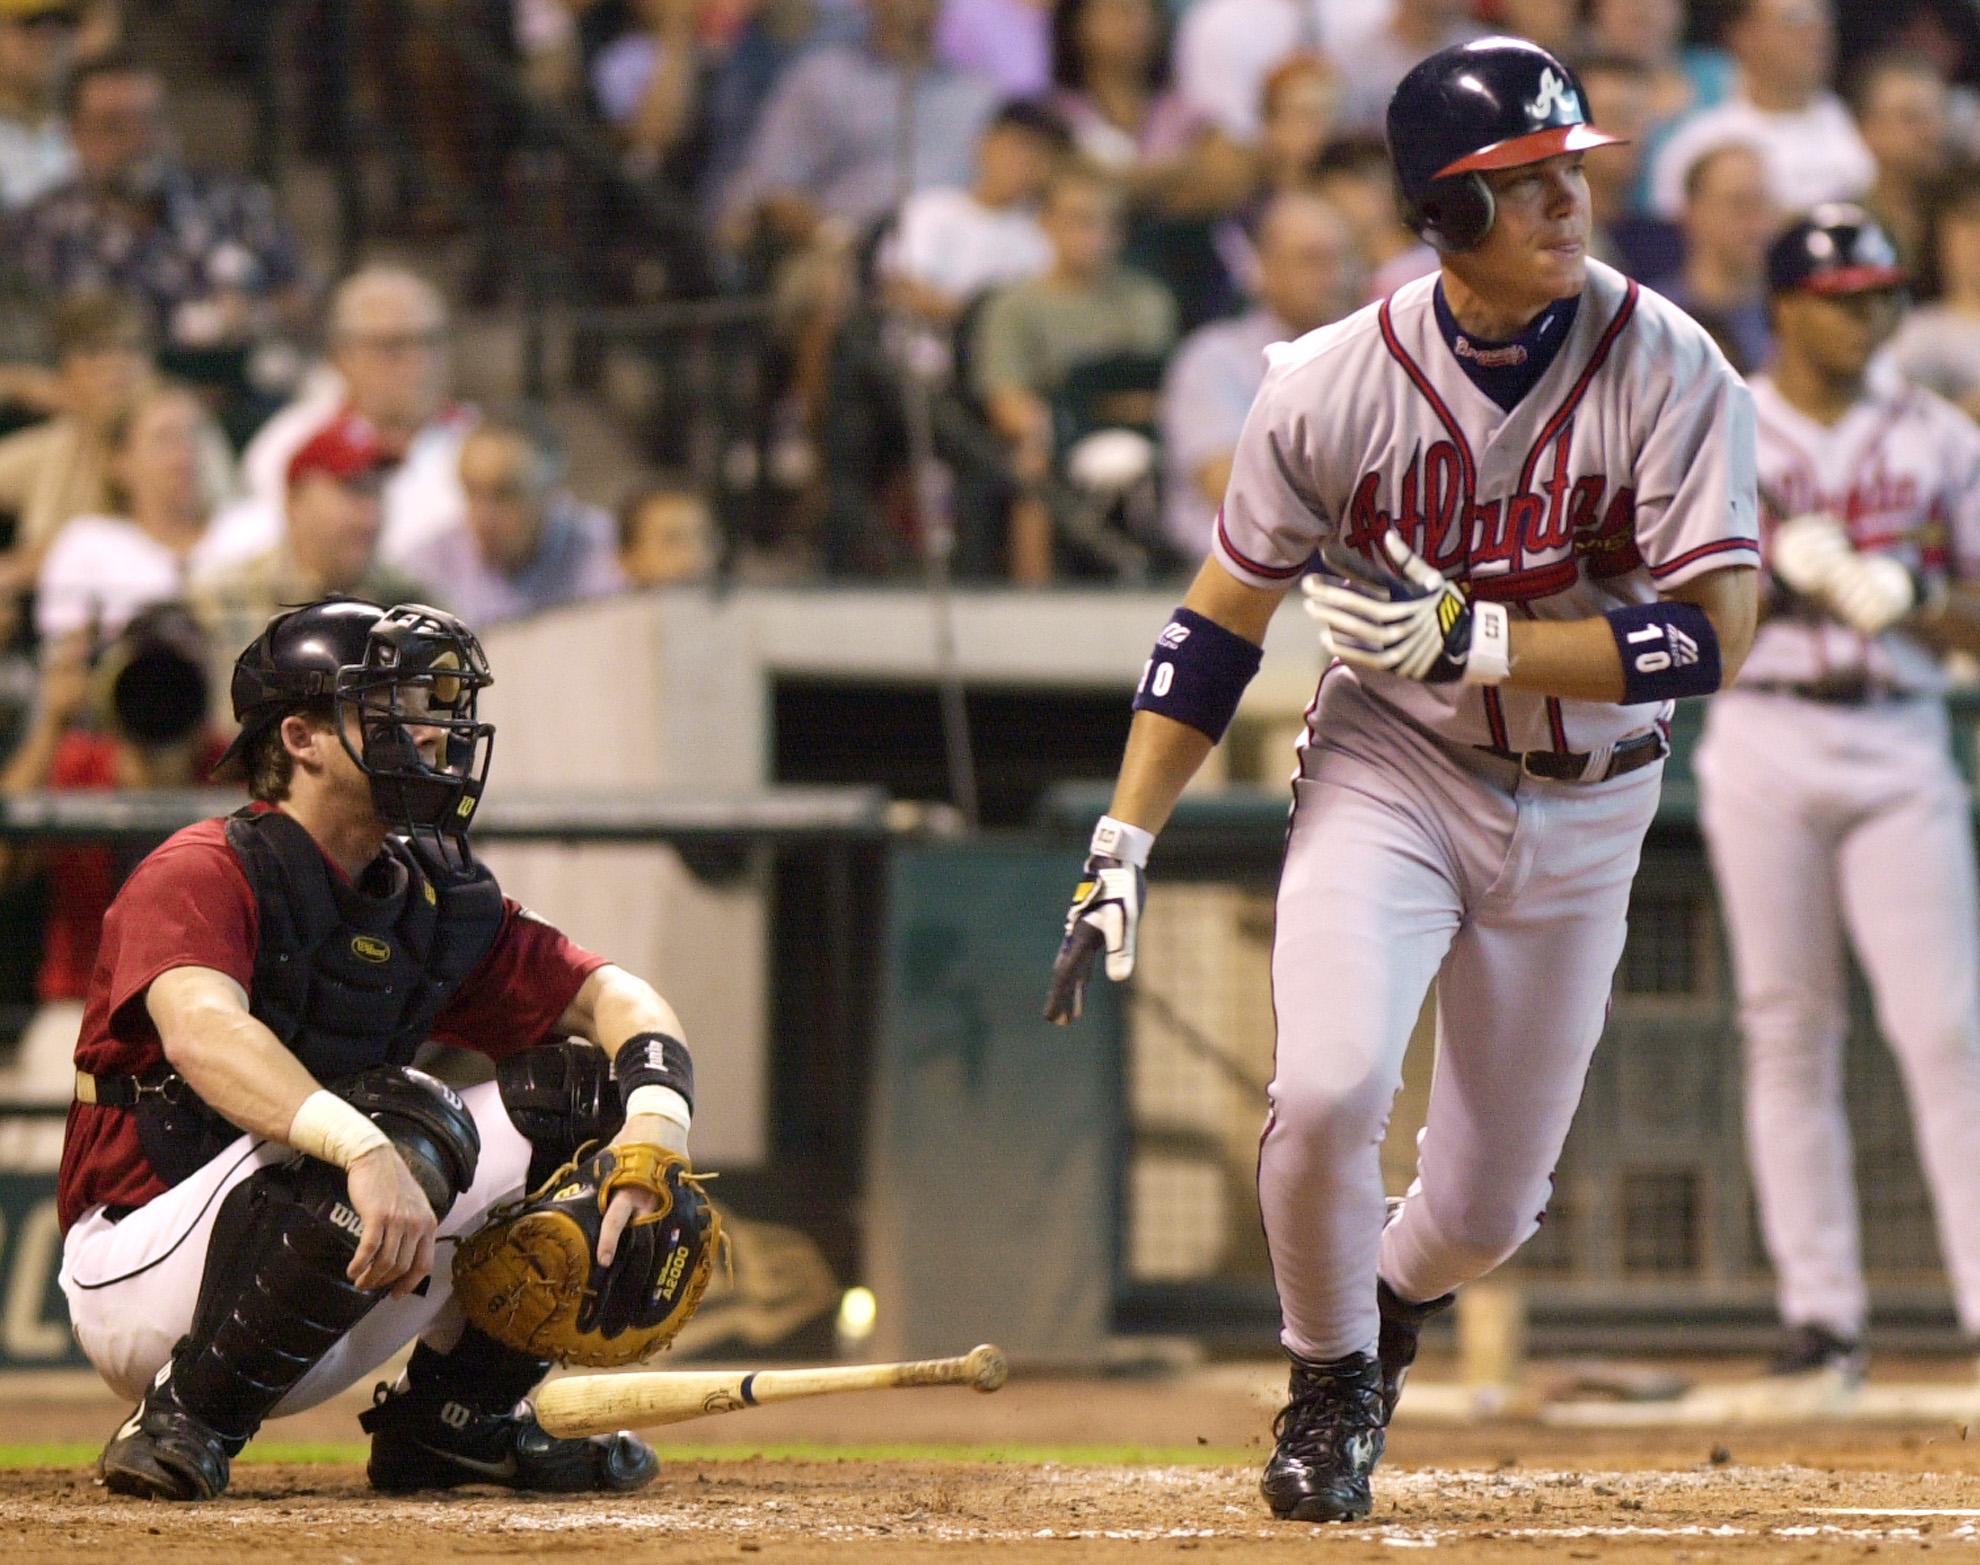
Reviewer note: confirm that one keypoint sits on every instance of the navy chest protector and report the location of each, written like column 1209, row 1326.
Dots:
column 348, row 975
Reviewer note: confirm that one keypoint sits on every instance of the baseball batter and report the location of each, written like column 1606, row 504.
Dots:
column 1829, row 797
column 254, row 1185
column 1530, row 487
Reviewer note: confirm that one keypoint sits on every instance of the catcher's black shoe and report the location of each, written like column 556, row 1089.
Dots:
column 163, row 1452
column 422, row 1443
column 1402, row 1325
column 1330, row 1436
column 1808, row 1349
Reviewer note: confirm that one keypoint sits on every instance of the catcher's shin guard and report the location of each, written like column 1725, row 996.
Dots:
column 561, row 1096
column 460, row 1418
column 275, row 1297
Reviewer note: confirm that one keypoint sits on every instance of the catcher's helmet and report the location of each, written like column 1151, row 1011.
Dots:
column 390, row 670
column 1835, row 249
column 1491, row 103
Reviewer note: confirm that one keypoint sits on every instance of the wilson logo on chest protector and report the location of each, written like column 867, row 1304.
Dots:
column 369, row 948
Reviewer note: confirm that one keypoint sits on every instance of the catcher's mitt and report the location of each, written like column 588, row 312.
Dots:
column 530, row 1276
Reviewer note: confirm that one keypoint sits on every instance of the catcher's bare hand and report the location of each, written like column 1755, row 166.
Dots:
column 629, row 1202
column 395, row 1245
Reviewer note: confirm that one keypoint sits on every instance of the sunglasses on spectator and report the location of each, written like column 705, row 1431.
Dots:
column 54, row 19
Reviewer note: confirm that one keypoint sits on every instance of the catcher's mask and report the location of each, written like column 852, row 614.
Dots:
column 378, row 674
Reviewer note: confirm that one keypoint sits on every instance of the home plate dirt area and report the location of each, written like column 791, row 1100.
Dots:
column 1056, row 1470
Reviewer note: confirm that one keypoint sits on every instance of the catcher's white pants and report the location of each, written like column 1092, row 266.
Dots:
column 132, row 1286
column 1408, row 860
column 1825, row 821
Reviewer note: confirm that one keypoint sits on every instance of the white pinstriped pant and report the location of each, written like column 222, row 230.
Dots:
column 1410, row 860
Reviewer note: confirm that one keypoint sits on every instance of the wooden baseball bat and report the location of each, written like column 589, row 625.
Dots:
column 598, row 1404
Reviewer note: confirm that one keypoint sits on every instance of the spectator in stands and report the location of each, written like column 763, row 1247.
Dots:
column 1308, row 276
column 1901, row 106
column 136, row 719
column 1301, row 97
column 1381, row 55
column 1225, row 49
column 101, row 570
column 1110, row 74
column 37, row 47
column 829, row 145
column 208, row 253
column 526, row 543
column 1785, row 50
column 1553, row 24
column 333, row 515
column 647, row 83
column 60, row 469
column 1729, row 220
column 1355, row 176
column 1683, row 79
column 388, row 364
column 1619, row 100
column 949, row 245
column 1938, row 346
column 666, row 537
column 1031, row 335
column 1009, row 41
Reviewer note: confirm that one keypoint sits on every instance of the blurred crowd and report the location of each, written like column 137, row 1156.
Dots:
column 1017, row 262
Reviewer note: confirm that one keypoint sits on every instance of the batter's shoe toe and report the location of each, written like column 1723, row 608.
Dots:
column 163, row 1452
column 1402, row 1326
column 1809, row 1351
column 420, row 1444
column 1329, row 1437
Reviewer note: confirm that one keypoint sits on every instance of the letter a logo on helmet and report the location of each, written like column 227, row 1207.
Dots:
column 1493, row 103
column 1553, row 97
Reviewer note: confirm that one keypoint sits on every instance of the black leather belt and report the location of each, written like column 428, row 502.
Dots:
column 1571, row 766
column 1832, row 692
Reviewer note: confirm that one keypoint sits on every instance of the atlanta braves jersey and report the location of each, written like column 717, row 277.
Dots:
column 1627, row 470
column 1901, row 471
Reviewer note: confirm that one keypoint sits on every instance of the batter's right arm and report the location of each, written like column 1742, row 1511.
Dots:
column 1202, row 660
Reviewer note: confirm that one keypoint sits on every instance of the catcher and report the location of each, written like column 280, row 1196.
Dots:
column 262, row 1201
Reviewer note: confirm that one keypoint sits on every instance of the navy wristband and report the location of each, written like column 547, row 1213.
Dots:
column 1669, row 651
column 653, row 1059
column 1197, row 673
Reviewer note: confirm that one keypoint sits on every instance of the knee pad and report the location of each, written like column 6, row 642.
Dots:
column 560, row 1096
column 427, row 1122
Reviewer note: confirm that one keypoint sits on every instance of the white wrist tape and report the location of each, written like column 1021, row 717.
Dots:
column 664, row 1101
column 1119, row 840
column 326, row 1126
column 1490, row 659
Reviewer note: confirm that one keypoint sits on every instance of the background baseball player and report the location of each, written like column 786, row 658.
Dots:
column 1830, row 802
column 1532, row 484
column 254, row 1185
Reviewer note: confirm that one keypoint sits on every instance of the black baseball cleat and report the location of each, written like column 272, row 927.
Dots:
column 1805, row 1350
column 1330, row 1436
column 1402, row 1325
column 163, row 1452
column 421, row 1443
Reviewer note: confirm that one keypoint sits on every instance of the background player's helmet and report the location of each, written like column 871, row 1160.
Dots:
column 1491, row 103
column 387, row 669
column 1837, row 248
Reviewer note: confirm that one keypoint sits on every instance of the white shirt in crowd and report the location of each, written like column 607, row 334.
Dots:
column 34, row 159
column 101, row 570
column 422, row 497
column 948, row 240
column 1812, row 155
column 1226, row 48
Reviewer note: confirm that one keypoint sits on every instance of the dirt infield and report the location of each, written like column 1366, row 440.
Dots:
column 1503, row 1491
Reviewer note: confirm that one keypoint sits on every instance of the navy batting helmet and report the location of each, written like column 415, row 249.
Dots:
column 1837, row 248
column 1491, row 103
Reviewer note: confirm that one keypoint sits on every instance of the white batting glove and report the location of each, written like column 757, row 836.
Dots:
column 1418, row 625
column 1807, row 550
column 1104, row 918
column 1871, row 592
